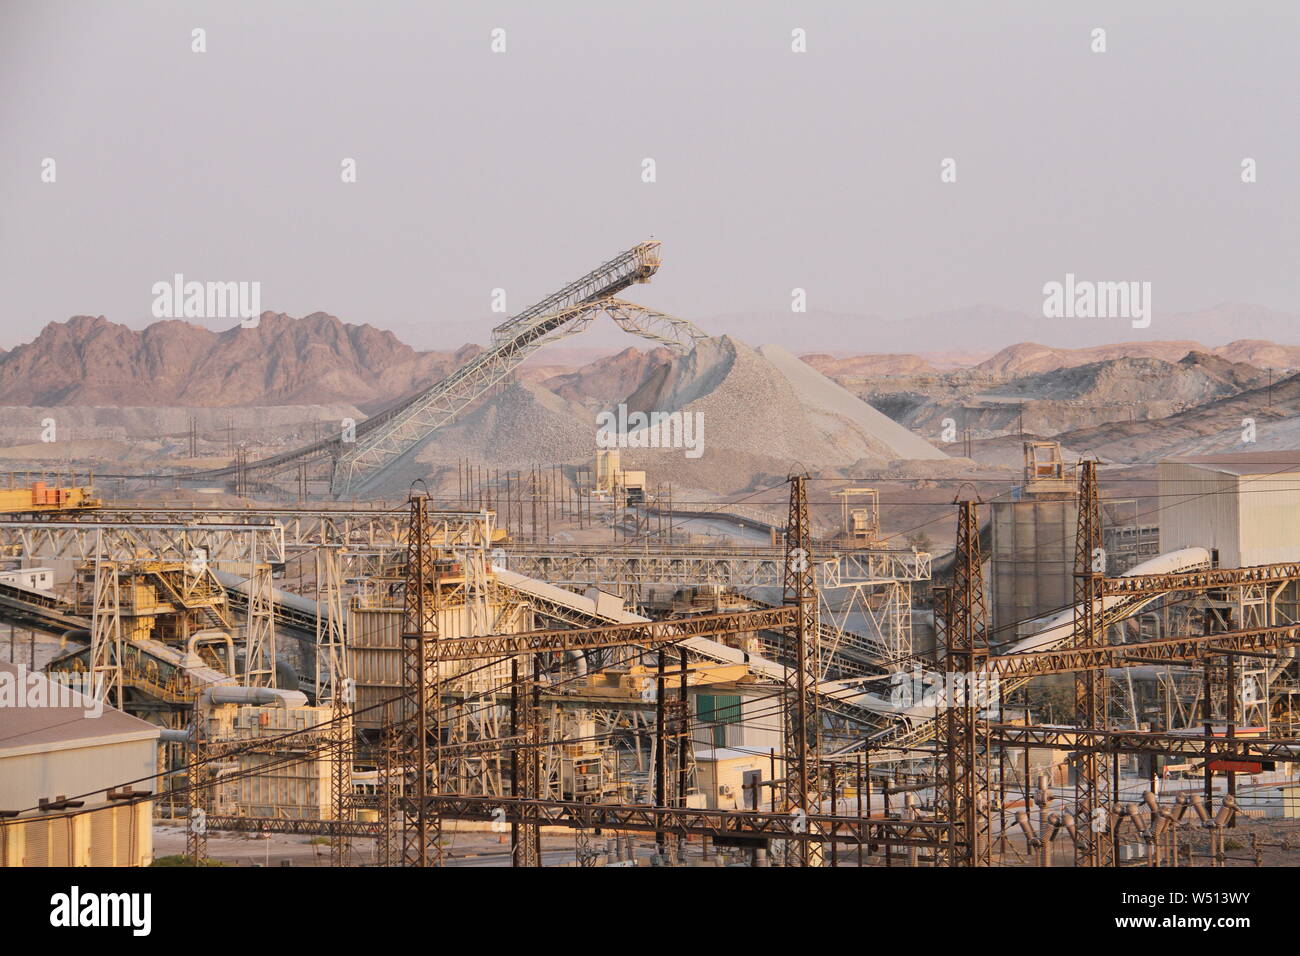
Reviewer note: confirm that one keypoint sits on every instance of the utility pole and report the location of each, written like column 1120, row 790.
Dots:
column 661, row 747
column 1093, row 786
column 683, row 747
column 803, row 717
column 962, row 792
column 421, row 692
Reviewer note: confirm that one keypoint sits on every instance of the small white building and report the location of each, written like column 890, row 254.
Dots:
column 729, row 778
column 1244, row 508
column 57, row 743
column 35, row 579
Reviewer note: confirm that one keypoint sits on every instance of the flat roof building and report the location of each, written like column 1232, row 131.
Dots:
column 1243, row 507
column 58, row 743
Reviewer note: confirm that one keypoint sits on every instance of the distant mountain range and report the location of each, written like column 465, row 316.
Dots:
column 1030, row 358
column 319, row 359
column 985, row 328
column 283, row 361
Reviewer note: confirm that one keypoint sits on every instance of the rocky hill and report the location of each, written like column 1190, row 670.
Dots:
column 1212, row 428
column 1065, row 398
column 282, row 361
column 1027, row 358
column 1197, row 377
column 1261, row 353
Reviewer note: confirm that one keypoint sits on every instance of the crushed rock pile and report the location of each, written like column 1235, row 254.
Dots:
column 763, row 411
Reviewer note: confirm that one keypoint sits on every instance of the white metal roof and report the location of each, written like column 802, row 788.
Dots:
column 1246, row 462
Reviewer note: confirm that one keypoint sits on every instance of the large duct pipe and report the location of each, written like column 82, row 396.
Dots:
column 213, row 635
column 579, row 659
column 256, row 696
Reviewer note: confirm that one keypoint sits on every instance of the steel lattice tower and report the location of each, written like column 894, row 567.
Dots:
column 962, row 755
column 1093, row 780
column 421, row 693
column 803, row 719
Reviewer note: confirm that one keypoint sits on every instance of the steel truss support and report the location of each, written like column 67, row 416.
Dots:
column 667, row 330
column 196, row 822
column 802, row 724
column 106, row 635
column 525, row 832
column 1093, row 771
column 1178, row 745
column 259, row 622
column 612, row 635
column 962, row 795
column 714, row 823
column 421, row 692
column 333, row 683
column 167, row 536
column 334, row 689
column 738, row 568
column 1186, row 651
column 330, row 828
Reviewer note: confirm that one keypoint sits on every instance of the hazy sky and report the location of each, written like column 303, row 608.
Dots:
column 523, row 169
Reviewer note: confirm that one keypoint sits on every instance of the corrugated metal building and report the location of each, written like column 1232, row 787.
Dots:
column 1032, row 561
column 51, row 751
column 376, row 652
column 1245, row 507
column 277, row 786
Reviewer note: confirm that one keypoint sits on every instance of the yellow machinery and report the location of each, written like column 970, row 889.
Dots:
column 40, row 496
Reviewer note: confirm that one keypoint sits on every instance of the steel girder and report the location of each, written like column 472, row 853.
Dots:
column 713, row 823
column 610, row 635
column 356, row 828
column 1169, row 650
column 668, row 330
column 634, row 265
column 1203, row 580
column 755, row 824
column 84, row 540
column 738, row 568
column 1018, row 736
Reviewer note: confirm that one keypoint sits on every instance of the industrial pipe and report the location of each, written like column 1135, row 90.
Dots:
column 256, row 696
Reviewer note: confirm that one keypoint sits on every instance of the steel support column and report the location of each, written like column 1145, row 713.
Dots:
column 421, row 692
column 803, row 719
column 1093, row 769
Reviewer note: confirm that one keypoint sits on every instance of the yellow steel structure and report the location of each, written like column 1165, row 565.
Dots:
column 40, row 496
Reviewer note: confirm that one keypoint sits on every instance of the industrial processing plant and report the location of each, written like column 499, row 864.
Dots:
column 671, row 500
column 570, row 665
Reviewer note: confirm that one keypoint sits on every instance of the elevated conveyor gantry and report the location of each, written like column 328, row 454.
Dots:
column 384, row 438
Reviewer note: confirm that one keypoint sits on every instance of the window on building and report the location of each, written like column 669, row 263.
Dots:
column 716, row 711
